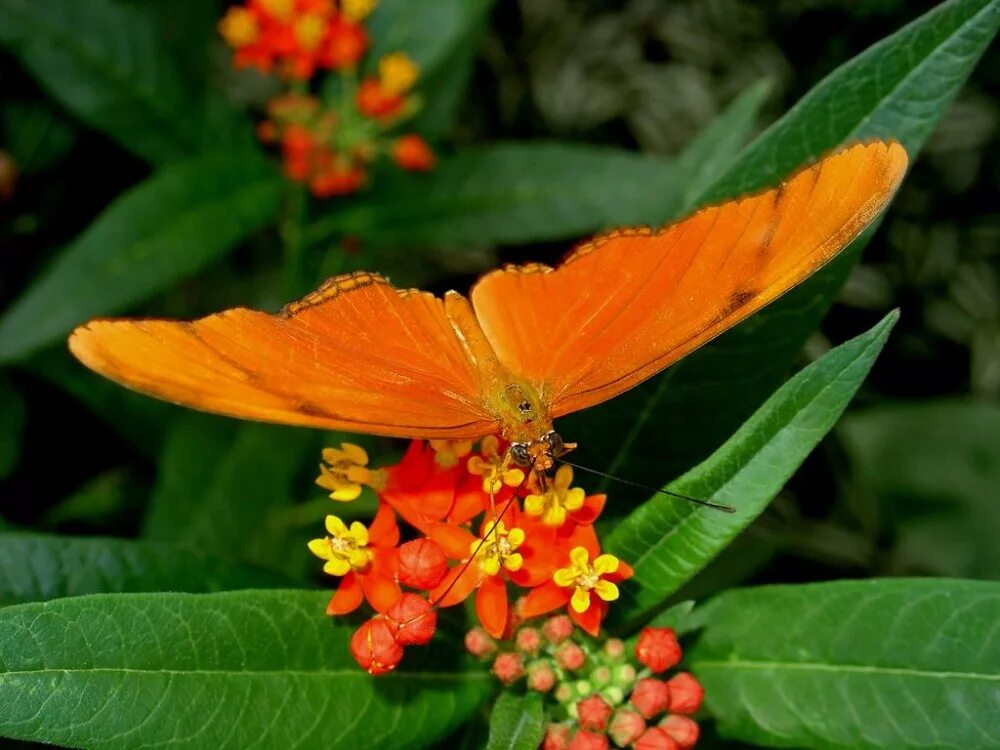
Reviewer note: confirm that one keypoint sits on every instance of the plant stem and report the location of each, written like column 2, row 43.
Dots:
column 290, row 231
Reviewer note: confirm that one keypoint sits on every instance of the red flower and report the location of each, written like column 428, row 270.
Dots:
column 593, row 713
column 508, row 667
column 655, row 738
column 570, row 656
column 478, row 643
column 344, row 45
column 556, row 737
column 651, row 697
column 682, row 730
column 374, row 101
column 584, row 740
column 421, row 564
column 557, row 629
column 412, row 620
column 685, row 693
column 658, row 649
column 626, row 727
column 412, row 152
column 541, row 676
column 528, row 641
column 375, row 648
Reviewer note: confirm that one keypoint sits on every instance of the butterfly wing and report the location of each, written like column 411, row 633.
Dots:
column 356, row 355
column 624, row 306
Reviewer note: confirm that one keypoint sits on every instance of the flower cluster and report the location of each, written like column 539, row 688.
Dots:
column 329, row 143
column 477, row 526
column 599, row 695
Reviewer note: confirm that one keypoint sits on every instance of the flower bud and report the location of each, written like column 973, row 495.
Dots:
column 655, row 738
column 541, row 676
column 658, row 649
column 557, row 629
column 570, row 656
column 600, row 676
column 626, row 727
column 614, row 648
column 651, row 697
column 528, row 641
column 682, row 730
column 613, row 695
column 685, row 693
column 556, row 737
column 508, row 667
column 478, row 643
column 374, row 647
column 412, row 620
column 583, row 740
column 624, row 675
column 412, row 152
column 564, row 693
column 593, row 713
column 421, row 564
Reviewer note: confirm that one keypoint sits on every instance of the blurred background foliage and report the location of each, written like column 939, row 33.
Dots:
column 907, row 485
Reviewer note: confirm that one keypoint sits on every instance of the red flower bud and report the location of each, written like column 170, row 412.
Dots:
column 557, row 629
column 541, row 676
column 411, row 152
column 570, row 656
column 626, row 727
column 614, row 648
column 412, row 620
column 479, row 643
column 373, row 101
column 421, row 564
column 593, row 713
column 528, row 641
column 508, row 667
column 556, row 737
column 658, row 649
column 650, row 697
column 682, row 730
column 685, row 693
column 346, row 43
column 588, row 741
column 374, row 647
column 655, row 738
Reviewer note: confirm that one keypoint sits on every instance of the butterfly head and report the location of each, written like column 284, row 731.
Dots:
column 541, row 454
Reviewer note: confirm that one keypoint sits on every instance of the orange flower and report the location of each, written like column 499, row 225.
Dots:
column 412, row 152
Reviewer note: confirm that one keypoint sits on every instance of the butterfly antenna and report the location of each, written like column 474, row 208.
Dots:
column 630, row 483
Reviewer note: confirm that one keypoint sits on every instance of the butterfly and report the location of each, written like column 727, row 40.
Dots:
column 529, row 344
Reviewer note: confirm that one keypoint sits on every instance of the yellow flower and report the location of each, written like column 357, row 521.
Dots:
column 280, row 9
column 309, row 30
column 557, row 501
column 496, row 550
column 494, row 467
column 448, row 452
column 239, row 27
column 585, row 578
column 397, row 73
column 357, row 10
column 345, row 470
column 346, row 549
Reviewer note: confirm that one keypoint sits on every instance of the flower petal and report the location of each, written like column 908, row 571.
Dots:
column 359, row 533
column 604, row 564
column 354, row 453
column 457, row 584
column 580, row 557
column 491, row 606
column 606, row 590
column 543, row 599
column 513, row 562
column 590, row 621
column 346, row 492
column 348, row 596
column 383, row 531
column 455, row 541
column 320, row 548
column 580, row 602
column 592, row 507
column 337, row 566
column 564, row 577
column 380, row 590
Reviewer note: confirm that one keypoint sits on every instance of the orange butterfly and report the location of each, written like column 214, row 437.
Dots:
column 530, row 343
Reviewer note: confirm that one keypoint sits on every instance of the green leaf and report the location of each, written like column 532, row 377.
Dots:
column 508, row 193
column 516, row 722
column 223, row 486
column 898, row 88
column 931, row 471
column 165, row 229
column 100, row 498
column 667, row 541
column 36, row 136
column 13, row 412
column 39, row 567
column 105, row 62
column 231, row 670
column 896, row 663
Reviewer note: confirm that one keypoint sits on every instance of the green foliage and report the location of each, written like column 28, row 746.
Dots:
column 899, row 89
column 13, row 413
column 40, row 567
column 516, row 722
column 854, row 664
column 175, row 223
column 225, row 670
column 667, row 541
column 36, row 136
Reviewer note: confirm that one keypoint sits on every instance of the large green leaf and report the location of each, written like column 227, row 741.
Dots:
column 667, row 541
column 508, row 193
column 897, row 663
column 931, row 471
column 516, row 722
column 105, row 61
column 898, row 88
column 36, row 136
column 168, row 227
column 39, row 567
column 261, row 669
column 222, row 486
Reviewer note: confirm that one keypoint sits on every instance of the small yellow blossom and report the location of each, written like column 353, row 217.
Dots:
column 397, row 73
column 497, row 549
column 239, row 27
column 345, row 470
column 494, row 467
column 345, row 549
column 309, row 30
column 447, row 453
column 557, row 501
column 280, row 9
column 357, row 10
column 585, row 578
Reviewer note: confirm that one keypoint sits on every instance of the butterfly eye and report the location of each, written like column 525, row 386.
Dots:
column 519, row 452
column 555, row 443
